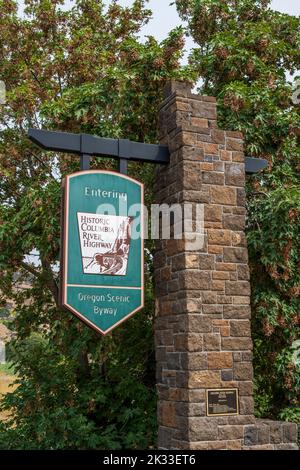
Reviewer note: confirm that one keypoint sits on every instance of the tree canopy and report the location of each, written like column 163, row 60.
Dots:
column 83, row 70
column 86, row 70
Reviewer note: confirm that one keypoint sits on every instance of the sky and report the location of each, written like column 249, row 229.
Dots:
column 165, row 16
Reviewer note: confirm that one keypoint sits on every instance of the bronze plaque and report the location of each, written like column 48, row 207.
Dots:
column 222, row 402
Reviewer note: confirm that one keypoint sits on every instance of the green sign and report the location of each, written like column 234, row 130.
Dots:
column 102, row 279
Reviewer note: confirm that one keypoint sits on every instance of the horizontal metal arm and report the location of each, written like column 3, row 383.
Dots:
column 85, row 144
column 254, row 165
column 99, row 146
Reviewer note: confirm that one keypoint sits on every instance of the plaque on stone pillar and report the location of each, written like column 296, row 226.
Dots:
column 222, row 402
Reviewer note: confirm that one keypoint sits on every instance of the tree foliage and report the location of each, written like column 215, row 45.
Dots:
column 84, row 70
column 244, row 52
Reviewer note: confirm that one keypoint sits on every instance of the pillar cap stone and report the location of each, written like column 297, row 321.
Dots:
column 181, row 87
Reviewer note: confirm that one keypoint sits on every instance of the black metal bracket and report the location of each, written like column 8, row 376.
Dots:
column 124, row 150
column 254, row 165
column 87, row 145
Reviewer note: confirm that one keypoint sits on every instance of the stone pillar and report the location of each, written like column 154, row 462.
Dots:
column 202, row 330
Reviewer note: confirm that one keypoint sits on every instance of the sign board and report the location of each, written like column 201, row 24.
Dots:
column 102, row 279
column 222, row 402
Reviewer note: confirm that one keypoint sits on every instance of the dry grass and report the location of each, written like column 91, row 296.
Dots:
column 5, row 381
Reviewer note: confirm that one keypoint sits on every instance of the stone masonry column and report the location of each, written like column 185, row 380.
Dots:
column 202, row 330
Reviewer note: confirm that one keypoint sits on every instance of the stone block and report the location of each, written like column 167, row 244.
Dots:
column 208, row 445
column 238, row 156
column 210, row 148
column 222, row 275
column 206, row 110
column 246, row 406
column 241, row 288
column 250, row 435
column 166, row 413
column 240, row 328
column 241, row 300
column 237, row 311
column 235, row 174
column 234, row 445
column 203, row 429
column 234, row 222
column 165, row 273
column 223, row 195
column 219, row 360
column 218, row 136
column 208, row 297
column 181, row 87
column 199, row 122
column 286, row 446
column 227, row 375
column 238, row 239
column 173, row 360
column 193, row 306
column 219, row 237
column 204, row 379
column 199, row 324
column 235, row 255
column 259, row 447
column 235, row 134
column 241, row 198
column 243, row 371
column 276, row 432
column 263, row 434
column 218, row 285
column 235, row 145
column 211, row 309
column 206, row 262
column 164, row 437
column 175, row 247
column 236, row 344
column 215, row 249
column 191, row 180
column 209, row 177
column 226, row 267
column 212, row 342
column 197, row 396
column 191, row 261
column 243, row 272
column 194, row 279
column 246, row 387
column 231, row 432
column 225, row 155
column 194, row 361
column 290, row 432
column 178, row 262
column 191, row 154
column 193, row 342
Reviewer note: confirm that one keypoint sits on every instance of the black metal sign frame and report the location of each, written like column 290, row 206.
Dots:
column 123, row 150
